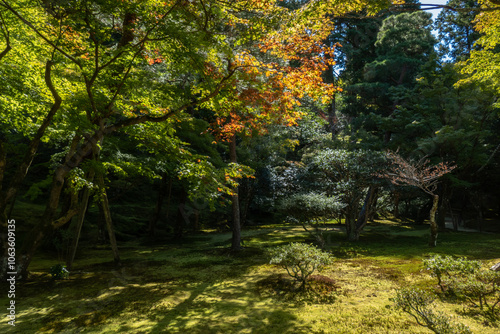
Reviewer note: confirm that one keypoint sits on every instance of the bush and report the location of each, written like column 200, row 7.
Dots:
column 313, row 210
column 481, row 289
column 464, row 279
column 300, row 260
column 417, row 303
column 447, row 267
column 59, row 271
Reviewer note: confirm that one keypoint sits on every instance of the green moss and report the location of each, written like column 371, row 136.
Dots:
column 198, row 286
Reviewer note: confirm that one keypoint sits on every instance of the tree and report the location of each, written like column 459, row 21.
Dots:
column 188, row 54
column 419, row 174
column 456, row 29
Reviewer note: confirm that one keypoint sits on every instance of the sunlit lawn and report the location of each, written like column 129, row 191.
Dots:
column 197, row 286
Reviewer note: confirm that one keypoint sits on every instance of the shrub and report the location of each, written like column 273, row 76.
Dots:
column 59, row 271
column 312, row 210
column 417, row 303
column 481, row 289
column 447, row 267
column 300, row 260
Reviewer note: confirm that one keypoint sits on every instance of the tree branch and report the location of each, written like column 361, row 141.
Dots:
column 33, row 146
column 6, row 35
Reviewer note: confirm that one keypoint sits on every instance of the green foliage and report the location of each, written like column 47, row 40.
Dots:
column 447, row 266
column 311, row 206
column 300, row 260
column 481, row 289
column 59, row 271
column 312, row 209
column 417, row 303
column 456, row 29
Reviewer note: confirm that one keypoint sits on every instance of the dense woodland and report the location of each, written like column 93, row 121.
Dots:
column 159, row 120
column 140, row 118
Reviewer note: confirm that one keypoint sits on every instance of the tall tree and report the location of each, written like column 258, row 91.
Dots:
column 456, row 29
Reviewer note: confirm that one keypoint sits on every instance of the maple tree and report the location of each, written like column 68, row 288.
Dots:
column 421, row 175
column 254, row 57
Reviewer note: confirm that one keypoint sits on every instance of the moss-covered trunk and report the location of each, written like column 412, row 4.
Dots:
column 236, row 239
column 434, row 226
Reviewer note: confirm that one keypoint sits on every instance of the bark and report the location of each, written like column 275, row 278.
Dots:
column 434, row 226
column 109, row 221
column 159, row 204
column 81, row 216
column 332, row 118
column 371, row 197
column 6, row 35
column 397, row 197
column 236, row 239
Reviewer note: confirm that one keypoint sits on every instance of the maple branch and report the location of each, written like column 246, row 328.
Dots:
column 6, row 5
column 156, row 119
column 33, row 145
column 6, row 35
column 122, row 82
column 417, row 174
column 425, row 7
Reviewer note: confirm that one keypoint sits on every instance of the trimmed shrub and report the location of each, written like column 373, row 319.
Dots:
column 300, row 260
column 418, row 304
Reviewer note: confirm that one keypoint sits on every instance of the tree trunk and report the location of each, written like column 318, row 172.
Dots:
column 332, row 117
column 47, row 222
column 9, row 194
column 236, row 239
column 434, row 226
column 159, row 203
column 81, row 217
column 108, row 220
column 397, row 197
column 366, row 210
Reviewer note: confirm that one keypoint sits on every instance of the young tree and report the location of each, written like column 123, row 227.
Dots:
column 419, row 174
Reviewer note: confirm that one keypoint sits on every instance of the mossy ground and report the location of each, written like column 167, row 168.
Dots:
column 198, row 286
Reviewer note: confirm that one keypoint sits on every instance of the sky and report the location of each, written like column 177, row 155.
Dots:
column 434, row 2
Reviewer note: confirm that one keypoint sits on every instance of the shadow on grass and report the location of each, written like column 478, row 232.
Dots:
column 171, row 290
column 407, row 242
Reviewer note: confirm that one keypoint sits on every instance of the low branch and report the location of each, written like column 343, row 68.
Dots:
column 6, row 35
column 35, row 142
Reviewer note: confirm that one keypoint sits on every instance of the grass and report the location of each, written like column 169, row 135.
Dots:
column 197, row 286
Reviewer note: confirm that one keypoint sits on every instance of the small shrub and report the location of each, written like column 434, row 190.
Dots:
column 300, row 260
column 481, row 289
column 59, row 271
column 447, row 267
column 417, row 303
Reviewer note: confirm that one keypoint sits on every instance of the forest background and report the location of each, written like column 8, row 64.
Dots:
column 127, row 119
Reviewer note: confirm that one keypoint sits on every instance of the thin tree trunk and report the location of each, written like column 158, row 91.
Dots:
column 366, row 209
column 81, row 217
column 397, row 197
column 236, row 239
column 434, row 226
column 108, row 220
column 159, row 204
column 169, row 198
column 332, row 117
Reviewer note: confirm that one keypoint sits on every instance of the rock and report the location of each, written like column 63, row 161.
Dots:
column 496, row 267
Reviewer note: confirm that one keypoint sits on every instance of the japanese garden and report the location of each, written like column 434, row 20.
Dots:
column 250, row 166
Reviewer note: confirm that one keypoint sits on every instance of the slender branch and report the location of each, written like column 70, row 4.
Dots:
column 6, row 35
column 149, row 118
column 489, row 158
column 39, row 33
column 33, row 146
